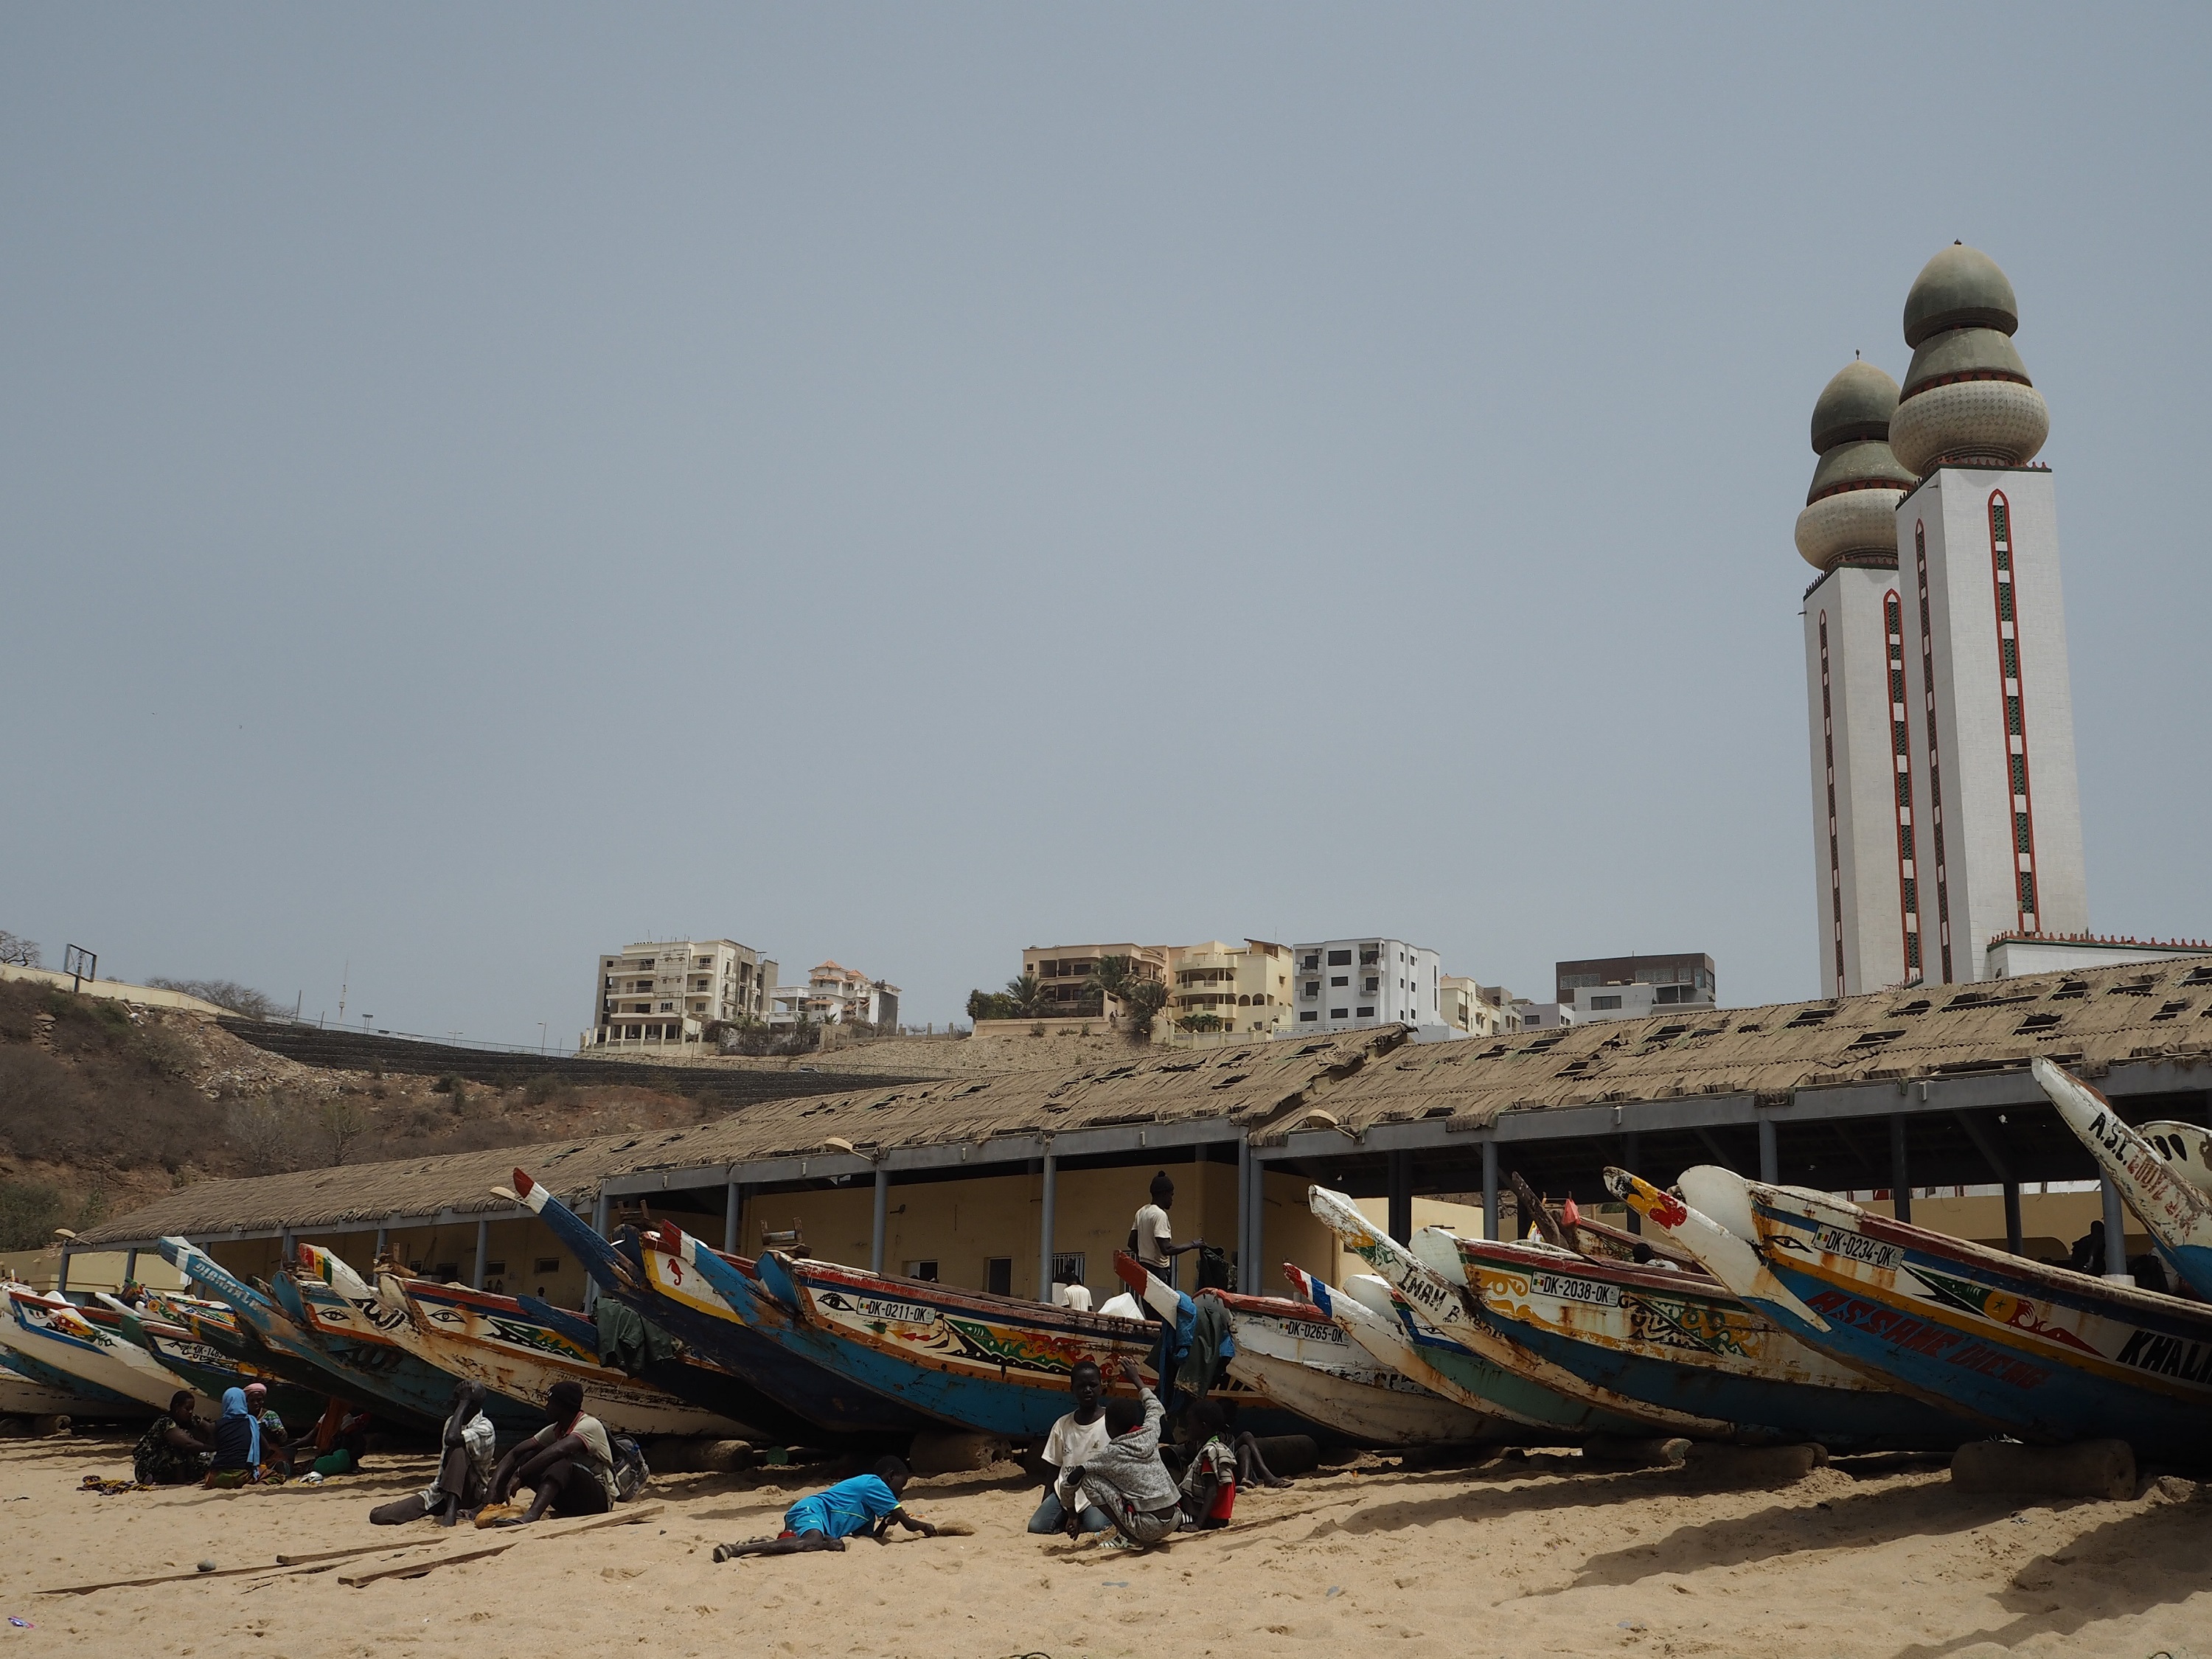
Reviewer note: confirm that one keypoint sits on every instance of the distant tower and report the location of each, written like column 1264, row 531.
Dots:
column 1865, row 853
column 1991, row 717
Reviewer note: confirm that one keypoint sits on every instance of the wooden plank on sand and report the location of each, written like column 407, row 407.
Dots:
column 511, row 1536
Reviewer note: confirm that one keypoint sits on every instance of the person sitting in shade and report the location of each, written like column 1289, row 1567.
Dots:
column 276, row 1438
column 465, row 1470
column 824, row 1520
column 1075, row 1438
column 1125, row 1479
column 238, row 1458
column 175, row 1448
column 568, row 1465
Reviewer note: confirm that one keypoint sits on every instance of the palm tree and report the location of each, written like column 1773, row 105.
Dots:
column 1142, row 996
column 1028, row 996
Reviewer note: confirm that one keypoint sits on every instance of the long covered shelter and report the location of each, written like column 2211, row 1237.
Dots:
column 1010, row 1181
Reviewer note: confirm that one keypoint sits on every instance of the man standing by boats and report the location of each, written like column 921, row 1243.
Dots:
column 1152, row 1239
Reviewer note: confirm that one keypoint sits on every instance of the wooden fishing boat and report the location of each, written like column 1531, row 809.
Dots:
column 1680, row 1340
column 28, row 1389
column 2038, row 1352
column 494, row 1340
column 1516, row 1382
column 797, row 1398
column 1365, row 1312
column 2177, row 1211
column 2186, row 1149
column 992, row 1364
column 1294, row 1355
column 289, row 1333
column 70, row 1339
column 205, row 1369
column 364, row 1339
column 1289, row 1361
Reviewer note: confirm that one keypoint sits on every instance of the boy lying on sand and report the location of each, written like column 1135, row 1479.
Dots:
column 823, row 1521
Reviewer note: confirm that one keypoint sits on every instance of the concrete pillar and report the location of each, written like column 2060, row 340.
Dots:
column 1245, row 1266
column 883, row 1208
column 1259, row 1246
column 284, row 1248
column 2116, row 1229
column 2012, row 1216
column 1631, row 1160
column 1900, row 1172
column 1051, row 1178
column 733, row 1205
column 61, row 1277
column 383, row 1242
column 599, row 1226
column 484, row 1240
column 1770, row 1157
column 1490, row 1188
column 1402, row 1195
column 130, row 1266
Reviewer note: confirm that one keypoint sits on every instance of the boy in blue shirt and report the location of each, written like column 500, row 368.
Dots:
column 824, row 1520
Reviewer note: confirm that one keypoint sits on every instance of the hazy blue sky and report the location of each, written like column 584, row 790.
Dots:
column 480, row 485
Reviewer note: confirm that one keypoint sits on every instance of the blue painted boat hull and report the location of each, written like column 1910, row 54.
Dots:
column 820, row 1399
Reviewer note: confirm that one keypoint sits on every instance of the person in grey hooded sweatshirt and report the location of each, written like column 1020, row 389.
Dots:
column 1126, row 1478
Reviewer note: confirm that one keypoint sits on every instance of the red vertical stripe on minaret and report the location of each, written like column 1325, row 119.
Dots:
column 2007, row 596
column 1935, row 753
column 1835, row 861
column 1901, row 743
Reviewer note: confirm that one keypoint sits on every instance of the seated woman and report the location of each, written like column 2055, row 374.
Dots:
column 569, row 1464
column 174, row 1449
column 237, row 1460
column 276, row 1438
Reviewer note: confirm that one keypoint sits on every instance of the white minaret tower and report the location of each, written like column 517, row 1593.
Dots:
column 1864, row 850
column 1992, row 715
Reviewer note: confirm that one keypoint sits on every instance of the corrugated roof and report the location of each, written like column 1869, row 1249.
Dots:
column 2089, row 1020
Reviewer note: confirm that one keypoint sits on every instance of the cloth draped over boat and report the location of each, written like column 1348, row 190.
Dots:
column 629, row 1341
column 1208, row 1340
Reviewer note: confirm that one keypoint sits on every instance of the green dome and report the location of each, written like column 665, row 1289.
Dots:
column 1867, row 463
column 1978, row 354
column 1959, row 288
column 1856, row 404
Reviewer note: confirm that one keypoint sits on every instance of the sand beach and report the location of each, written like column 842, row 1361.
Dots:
column 1872, row 1559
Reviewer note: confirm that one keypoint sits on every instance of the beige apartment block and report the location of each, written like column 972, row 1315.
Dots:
column 665, row 993
column 1478, row 1010
column 1062, row 971
column 1246, row 987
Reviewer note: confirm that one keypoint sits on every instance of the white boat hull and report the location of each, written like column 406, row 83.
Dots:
column 48, row 1330
column 1332, row 1379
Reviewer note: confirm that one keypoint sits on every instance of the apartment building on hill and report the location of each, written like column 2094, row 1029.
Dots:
column 1061, row 971
column 1344, row 984
column 667, row 991
column 1244, row 987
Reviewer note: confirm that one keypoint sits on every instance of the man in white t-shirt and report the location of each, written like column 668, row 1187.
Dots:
column 1156, row 1245
column 1073, row 1441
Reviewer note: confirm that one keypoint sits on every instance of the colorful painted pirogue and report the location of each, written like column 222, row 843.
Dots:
column 994, row 1363
column 1292, row 1358
column 2033, row 1350
column 798, row 1397
column 1486, row 1371
column 2186, row 1149
column 205, row 1369
column 287, row 1333
column 1367, row 1314
column 492, row 1340
column 2177, row 1211
column 22, row 1377
column 1679, row 1339
column 80, row 1344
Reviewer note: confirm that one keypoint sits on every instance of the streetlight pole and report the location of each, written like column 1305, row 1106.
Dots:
column 542, row 1038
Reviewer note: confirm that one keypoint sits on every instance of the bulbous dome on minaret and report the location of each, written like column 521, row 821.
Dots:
column 1967, row 401
column 1851, row 508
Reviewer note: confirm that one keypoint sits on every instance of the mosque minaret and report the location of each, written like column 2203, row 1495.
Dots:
column 1945, row 806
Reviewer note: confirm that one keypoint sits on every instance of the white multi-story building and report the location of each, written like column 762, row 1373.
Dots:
column 1946, row 807
column 668, row 991
column 836, row 995
column 1344, row 984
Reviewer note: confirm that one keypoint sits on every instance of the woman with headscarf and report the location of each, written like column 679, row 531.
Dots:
column 570, row 1463
column 464, row 1472
column 237, row 1460
column 174, row 1451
